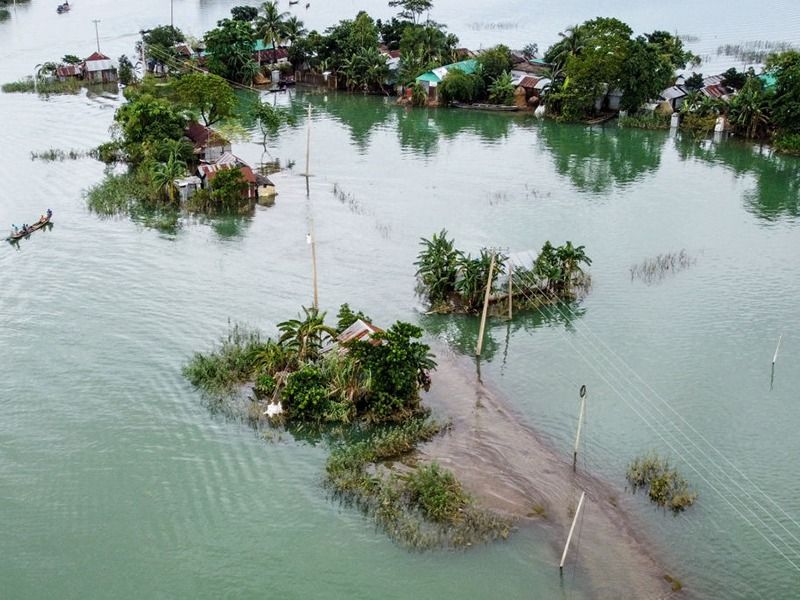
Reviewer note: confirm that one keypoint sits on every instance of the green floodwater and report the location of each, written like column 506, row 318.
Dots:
column 117, row 481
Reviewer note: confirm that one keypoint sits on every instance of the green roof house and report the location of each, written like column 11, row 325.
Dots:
column 431, row 79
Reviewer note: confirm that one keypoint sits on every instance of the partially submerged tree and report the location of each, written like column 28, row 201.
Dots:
column 412, row 9
column 230, row 51
column 207, row 95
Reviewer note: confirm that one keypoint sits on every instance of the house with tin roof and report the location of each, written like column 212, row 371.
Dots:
column 430, row 80
column 98, row 68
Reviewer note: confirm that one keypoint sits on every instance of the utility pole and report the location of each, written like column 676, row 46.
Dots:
column 171, row 15
column 313, row 242
column 510, row 294
column 580, row 423
column 571, row 531
column 308, row 142
column 96, row 33
column 485, row 307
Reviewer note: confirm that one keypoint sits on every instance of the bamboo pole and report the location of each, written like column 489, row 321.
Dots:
column 571, row 531
column 485, row 308
column 580, row 424
column 510, row 272
column 778, row 347
column 312, row 240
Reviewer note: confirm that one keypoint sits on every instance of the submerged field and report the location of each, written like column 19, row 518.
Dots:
column 119, row 480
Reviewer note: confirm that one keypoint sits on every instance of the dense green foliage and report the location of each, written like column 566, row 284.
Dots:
column 425, row 508
column 458, row 86
column 373, row 380
column 451, row 280
column 599, row 57
column 207, row 95
column 244, row 13
column 145, row 119
column 230, row 51
column 160, row 45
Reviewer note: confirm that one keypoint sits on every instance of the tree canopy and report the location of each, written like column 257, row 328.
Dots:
column 230, row 51
column 206, row 94
column 412, row 9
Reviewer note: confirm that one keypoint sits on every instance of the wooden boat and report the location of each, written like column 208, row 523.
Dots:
column 492, row 107
column 15, row 237
column 601, row 119
column 62, row 8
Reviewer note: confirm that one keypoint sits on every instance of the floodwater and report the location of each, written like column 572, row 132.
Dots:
column 116, row 479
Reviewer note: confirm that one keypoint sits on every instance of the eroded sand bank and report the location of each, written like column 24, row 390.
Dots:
column 510, row 469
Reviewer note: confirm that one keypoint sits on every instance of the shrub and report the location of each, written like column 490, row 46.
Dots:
column 788, row 143
column 220, row 370
column 665, row 486
column 458, row 86
column 652, row 120
column 438, row 493
column 305, row 395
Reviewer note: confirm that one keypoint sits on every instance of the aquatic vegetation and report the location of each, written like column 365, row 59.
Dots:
column 419, row 506
column 646, row 121
column 755, row 51
column 788, row 143
column 43, row 86
column 664, row 485
column 652, row 270
column 231, row 363
column 56, row 154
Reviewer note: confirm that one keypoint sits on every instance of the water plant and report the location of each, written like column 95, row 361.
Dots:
column 654, row 269
column 665, row 486
column 419, row 506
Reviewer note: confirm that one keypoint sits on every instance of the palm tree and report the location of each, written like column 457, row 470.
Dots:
column 306, row 337
column 548, row 266
column 165, row 175
column 271, row 24
column 749, row 111
column 293, row 29
column 570, row 44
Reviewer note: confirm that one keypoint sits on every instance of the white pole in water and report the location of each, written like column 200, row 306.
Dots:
column 310, row 240
column 510, row 272
column 775, row 356
column 580, row 423
column 308, row 141
column 97, row 33
column 485, row 308
column 571, row 531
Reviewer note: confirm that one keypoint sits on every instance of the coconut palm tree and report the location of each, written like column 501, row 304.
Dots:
column 306, row 337
column 570, row 44
column 293, row 29
column 271, row 23
column 166, row 174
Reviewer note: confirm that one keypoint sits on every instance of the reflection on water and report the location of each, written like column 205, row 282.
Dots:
column 460, row 332
column 597, row 159
column 777, row 178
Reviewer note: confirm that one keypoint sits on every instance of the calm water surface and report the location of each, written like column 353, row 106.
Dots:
column 115, row 478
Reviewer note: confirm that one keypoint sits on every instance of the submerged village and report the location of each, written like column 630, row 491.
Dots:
column 402, row 418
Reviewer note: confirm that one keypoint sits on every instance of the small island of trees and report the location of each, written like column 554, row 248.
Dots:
column 356, row 375
column 451, row 280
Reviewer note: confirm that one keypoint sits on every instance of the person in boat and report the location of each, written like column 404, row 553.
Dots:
column 49, row 213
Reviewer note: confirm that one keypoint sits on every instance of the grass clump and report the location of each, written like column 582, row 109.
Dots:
column 652, row 120
column 787, row 143
column 422, row 507
column 219, row 371
column 54, row 86
column 56, row 154
column 664, row 485
column 653, row 270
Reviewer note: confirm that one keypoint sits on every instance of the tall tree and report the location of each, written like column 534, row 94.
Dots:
column 644, row 74
column 206, row 94
column 412, row 9
column 271, row 23
column 270, row 118
column 293, row 30
column 230, row 51
column 244, row 13
column 786, row 101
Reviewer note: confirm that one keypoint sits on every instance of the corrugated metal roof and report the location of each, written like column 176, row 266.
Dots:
column 714, row 91
column 468, row 66
column 671, row 93
column 360, row 330
column 69, row 71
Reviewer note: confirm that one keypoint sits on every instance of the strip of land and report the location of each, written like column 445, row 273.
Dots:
column 509, row 468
